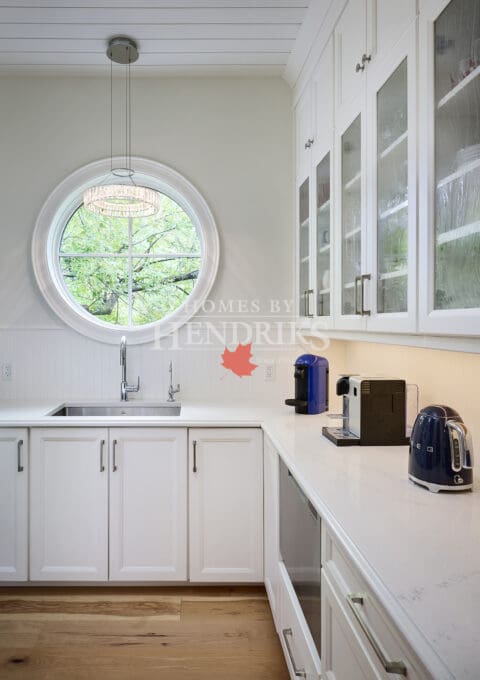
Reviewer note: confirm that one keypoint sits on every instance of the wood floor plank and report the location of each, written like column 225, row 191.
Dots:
column 191, row 633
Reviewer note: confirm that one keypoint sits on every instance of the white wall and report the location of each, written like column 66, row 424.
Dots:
column 230, row 137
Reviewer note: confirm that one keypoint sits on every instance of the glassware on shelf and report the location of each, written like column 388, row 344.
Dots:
column 351, row 214
column 392, row 196
column 304, row 245
column 323, row 237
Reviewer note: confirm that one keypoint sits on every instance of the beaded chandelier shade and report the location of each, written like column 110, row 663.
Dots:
column 122, row 199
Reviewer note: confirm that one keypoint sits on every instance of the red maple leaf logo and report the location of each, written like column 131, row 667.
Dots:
column 238, row 361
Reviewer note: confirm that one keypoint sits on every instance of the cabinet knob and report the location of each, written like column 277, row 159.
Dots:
column 309, row 143
column 359, row 67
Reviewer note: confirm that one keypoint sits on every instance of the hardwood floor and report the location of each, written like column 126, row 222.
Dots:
column 190, row 633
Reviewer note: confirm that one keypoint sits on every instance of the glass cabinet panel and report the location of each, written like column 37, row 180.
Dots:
column 351, row 214
column 392, row 193
column 304, row 249
column 323, row 237
column 457, row 156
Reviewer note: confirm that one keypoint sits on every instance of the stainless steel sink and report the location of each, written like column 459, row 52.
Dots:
column 153, row 410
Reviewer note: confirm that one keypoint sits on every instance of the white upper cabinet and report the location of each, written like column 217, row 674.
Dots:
column 314, row 195
column 13, row 505
column 69, row 504
column 391, row 283
column 350, row 228
column 350, row 53
column 304, row 138
column 148, row 504
column 450, row 167
column 226, row 505
column 389, row 21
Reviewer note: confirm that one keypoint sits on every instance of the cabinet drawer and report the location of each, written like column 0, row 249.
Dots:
column 367, row 617
column 297, row 643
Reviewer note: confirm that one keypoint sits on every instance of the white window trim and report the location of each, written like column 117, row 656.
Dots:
column 62, row 203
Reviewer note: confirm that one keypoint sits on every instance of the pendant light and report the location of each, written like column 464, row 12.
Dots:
column 116, row 198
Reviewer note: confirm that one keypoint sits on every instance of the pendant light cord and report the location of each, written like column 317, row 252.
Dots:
column 111, row 115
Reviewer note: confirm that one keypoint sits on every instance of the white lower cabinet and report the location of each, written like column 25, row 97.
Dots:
column 270, row 524
column 226, row 505
column 13, row 505
column 359, row 639
column 69, row 504
column 297, row 643
column 148, row 504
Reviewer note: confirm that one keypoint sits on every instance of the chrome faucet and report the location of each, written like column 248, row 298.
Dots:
column 172, row 391
column 125, row 388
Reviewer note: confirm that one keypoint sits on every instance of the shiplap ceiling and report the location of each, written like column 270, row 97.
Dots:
column 174, row 36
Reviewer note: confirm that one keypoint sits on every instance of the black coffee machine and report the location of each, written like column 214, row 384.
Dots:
column 311, row 385
column 374, row 412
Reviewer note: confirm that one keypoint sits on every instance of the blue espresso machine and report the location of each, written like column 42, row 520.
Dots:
column 311, row 385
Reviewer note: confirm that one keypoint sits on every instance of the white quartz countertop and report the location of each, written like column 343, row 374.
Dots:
column 419, row 551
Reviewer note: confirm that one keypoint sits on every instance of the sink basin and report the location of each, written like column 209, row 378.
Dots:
column 128, row 409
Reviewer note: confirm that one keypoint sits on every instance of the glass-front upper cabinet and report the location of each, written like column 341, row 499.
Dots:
column 349, row 288
column 323, row 238
column 392, row 210
column 451, row 211
column 304, row 289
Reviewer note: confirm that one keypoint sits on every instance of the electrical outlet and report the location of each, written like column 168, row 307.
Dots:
column 269, row 371
column 6, row 371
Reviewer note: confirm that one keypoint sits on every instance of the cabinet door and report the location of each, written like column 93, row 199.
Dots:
column 387, row 22
column 350, row 44
column 303, row 134
column 323, row 237
column 343, row 656
column 350, row 221
column 271, row 535
column 69, row 504
column 392, row 211
column 323, row 103
column 226, row 505
column 450, row 168
column 304, row 249
column 13, row 505
column 148, row 504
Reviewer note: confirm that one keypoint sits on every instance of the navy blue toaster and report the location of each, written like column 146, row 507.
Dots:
column 441, row 453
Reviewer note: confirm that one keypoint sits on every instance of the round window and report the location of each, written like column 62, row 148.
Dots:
column 109, row 276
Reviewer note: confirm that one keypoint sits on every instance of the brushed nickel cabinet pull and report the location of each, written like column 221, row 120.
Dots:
column 299, row 672
column 102, row 466
column 19, row 455
column 358, row 279
column 395, row 667
column 194, row 455
column 364, row 277
column 114, row 456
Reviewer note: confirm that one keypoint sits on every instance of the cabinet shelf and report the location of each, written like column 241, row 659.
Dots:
column 458, row 174
column 352, row 182
column 351, row 284
column 460, row 232
column 324, row 291
column 324, row 249
column 352, row 233
column 398, row 274
column 324, row 207
column 304, row 259
column 455, row 91
column 304, row 223
column 392, row 211
column 394, row 145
